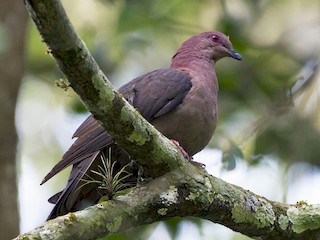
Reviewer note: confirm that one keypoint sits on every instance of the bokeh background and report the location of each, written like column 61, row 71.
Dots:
column 268, row 134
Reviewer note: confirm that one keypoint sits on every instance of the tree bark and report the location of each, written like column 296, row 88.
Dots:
column 187, row 191
column 13, row 19
column 179, row 188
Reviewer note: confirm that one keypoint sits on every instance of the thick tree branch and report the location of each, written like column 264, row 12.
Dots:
column 116, row 115
column 180, row 189
column 188, row 191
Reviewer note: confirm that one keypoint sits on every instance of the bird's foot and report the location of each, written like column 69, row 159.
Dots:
column 184, row 153
column 197, row 164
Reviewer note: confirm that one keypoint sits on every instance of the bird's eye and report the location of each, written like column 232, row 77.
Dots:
column 215, row 38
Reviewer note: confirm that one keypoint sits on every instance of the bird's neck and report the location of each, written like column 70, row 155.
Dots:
column 197, row 66
column 192, row 60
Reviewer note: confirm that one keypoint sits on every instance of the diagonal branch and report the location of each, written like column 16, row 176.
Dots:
column 117, row 116
column 180, row 189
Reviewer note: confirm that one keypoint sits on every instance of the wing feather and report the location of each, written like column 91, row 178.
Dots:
column 153, row 94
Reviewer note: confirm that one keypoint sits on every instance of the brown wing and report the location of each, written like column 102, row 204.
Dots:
column 157, row 92
column 153, row 94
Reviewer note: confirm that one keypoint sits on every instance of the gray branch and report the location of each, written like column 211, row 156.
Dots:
column 179, row 188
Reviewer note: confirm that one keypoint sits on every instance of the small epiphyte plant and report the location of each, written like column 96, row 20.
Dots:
column 107, row 180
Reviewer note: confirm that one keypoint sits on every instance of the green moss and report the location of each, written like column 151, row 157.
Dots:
column 124, row 116
column 122, row 192
column 301, row 203
column 163, row 211
column 103, row 199
column 71, row 218
column 137, row 138
column 256, row 211
column 207, row 196
column 304, row 217
column 28, row 238
column 102, row 87
column 283, row 222
column 192, row 196
column 203, row 190
column 115, row 225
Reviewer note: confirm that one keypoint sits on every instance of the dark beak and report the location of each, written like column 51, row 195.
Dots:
column 234, row 54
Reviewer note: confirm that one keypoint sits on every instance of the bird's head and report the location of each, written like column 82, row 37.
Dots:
column 209, row 45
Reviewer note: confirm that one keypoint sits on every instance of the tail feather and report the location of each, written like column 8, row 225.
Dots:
column 67, row 199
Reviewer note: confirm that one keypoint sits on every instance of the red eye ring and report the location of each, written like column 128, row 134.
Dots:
column 215, row 38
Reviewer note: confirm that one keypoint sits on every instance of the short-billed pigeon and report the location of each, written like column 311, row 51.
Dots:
column 180, row 101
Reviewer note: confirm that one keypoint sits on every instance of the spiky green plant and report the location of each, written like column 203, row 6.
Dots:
column 109, row 181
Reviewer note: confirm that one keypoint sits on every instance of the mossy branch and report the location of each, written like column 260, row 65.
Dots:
column 116, row 115
column 188, row 191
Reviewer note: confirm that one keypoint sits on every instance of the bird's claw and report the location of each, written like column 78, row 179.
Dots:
column 197, row 164
column 184, row 153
